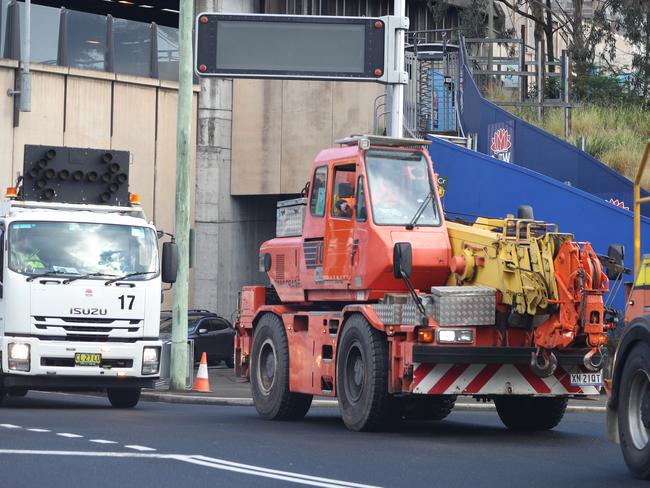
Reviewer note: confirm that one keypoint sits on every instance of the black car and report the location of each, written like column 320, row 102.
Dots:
column 210, row 332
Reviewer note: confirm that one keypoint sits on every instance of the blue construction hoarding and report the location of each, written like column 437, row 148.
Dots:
column 509, row 138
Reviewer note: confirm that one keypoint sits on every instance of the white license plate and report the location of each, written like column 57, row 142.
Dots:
column 586, row 379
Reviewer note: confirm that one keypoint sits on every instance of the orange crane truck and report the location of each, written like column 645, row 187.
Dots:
column 378, row 300
column 627, row 373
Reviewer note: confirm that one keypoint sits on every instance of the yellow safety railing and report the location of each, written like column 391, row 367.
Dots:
column 637, row 208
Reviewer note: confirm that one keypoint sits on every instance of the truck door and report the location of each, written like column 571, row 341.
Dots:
column 337, row 260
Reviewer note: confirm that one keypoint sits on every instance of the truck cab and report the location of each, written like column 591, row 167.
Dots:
column 80, row 294
column 361, row 198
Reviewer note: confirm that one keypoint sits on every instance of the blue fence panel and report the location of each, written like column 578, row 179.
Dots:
column 509, row 138
column 481, row 185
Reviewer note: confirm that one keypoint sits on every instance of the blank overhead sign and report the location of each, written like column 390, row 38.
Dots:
column 290, row 47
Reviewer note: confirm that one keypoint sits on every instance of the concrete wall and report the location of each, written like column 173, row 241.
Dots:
column 278, row 128
column 81, row 108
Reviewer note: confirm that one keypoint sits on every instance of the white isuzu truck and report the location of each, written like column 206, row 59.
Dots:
column 80, row 278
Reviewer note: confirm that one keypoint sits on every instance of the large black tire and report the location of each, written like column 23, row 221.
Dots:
column 270, row 373
column 634, row 411
column 362, row 377
column 530, row 413
column 123, row 397
column 427, row 407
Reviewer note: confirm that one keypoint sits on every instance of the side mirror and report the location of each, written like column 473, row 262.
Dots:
column 402, row 260
column 169, row 262
column 616, row 253
column 202, row 331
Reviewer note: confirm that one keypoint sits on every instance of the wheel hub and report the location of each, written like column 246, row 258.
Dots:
column 354, row 374
column 638, row 410
column 645, row 409
column 267, row 367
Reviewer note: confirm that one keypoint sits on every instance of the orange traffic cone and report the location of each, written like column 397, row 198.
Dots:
column 202, row 382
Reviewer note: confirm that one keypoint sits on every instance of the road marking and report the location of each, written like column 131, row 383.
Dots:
column 10, row 426
column 273, row 473
column 140, row 448
column 207, row 462
column 102, row 441
column 71, row 436
column 39, row 430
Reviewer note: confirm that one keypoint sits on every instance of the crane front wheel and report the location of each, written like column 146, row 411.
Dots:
column 634, row 411
column 530, row 413
column 270, row 373
column 362, row 376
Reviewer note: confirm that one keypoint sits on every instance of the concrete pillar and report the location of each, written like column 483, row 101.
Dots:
column 228, row 230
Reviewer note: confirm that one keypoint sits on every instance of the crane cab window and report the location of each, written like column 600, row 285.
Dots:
column 360, row 210
column 318, row 192
column 343, row 192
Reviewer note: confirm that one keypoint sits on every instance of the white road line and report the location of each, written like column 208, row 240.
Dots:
column 140, row 448
column 207, row 462
column 102, row 441
column 67, row 434
column 10, row 426
column 274, row 474
column 39, row 430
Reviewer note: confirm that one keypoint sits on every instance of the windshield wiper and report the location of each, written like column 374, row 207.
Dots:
column 46, row 274
column 129, row 275
column 419, row 212
column 83, row 277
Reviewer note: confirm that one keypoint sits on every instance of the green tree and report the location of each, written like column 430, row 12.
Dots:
column 633, row 18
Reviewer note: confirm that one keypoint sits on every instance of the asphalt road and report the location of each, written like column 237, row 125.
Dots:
column 56, row 440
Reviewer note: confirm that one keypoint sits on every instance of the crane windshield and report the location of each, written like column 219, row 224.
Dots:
column 399, row 182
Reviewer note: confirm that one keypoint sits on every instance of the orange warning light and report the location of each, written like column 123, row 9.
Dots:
column 425, row 335
column 378, row 72
column 11, row 192
column 134, row 199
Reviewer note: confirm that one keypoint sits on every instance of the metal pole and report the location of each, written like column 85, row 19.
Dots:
column 26, row 79
column 183, row 147
column 637, row 208
column 490, row 44
column 397, row 89
column 540, row 80
column 565, row 93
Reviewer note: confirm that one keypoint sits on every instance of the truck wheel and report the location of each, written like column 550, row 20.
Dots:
column 634, row 411
column 530, row 413
column 123, row 397
column 428, row 407
column 270, row 373
column 362, row 377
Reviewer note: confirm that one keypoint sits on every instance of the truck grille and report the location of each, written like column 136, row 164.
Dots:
column 87, row 328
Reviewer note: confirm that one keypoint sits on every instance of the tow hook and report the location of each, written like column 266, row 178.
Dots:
column 593, row 360
column 546, row 367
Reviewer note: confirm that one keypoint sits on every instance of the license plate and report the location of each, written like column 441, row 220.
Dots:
column 86, row 359
column 586, row 379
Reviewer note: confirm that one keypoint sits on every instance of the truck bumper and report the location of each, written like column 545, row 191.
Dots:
column 52, row 364
column 459, row 370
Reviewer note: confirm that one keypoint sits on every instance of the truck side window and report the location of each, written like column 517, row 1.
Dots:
column 318, row 192
column 343, row 192
column 360, row 208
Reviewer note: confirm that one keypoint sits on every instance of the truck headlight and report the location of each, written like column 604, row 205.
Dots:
column 150, row 360
column 19, row 355
column 464, row 336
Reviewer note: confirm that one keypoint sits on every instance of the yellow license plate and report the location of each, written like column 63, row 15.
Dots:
column 86, row 359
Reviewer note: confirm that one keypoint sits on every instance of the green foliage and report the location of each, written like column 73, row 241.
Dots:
column 602, row 90
column 473, row 20
column 614, row 135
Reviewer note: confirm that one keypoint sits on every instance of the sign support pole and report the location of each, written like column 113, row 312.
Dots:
column 397, row 89
column 178, row 370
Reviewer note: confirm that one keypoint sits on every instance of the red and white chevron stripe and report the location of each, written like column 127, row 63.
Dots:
column 493, row 379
